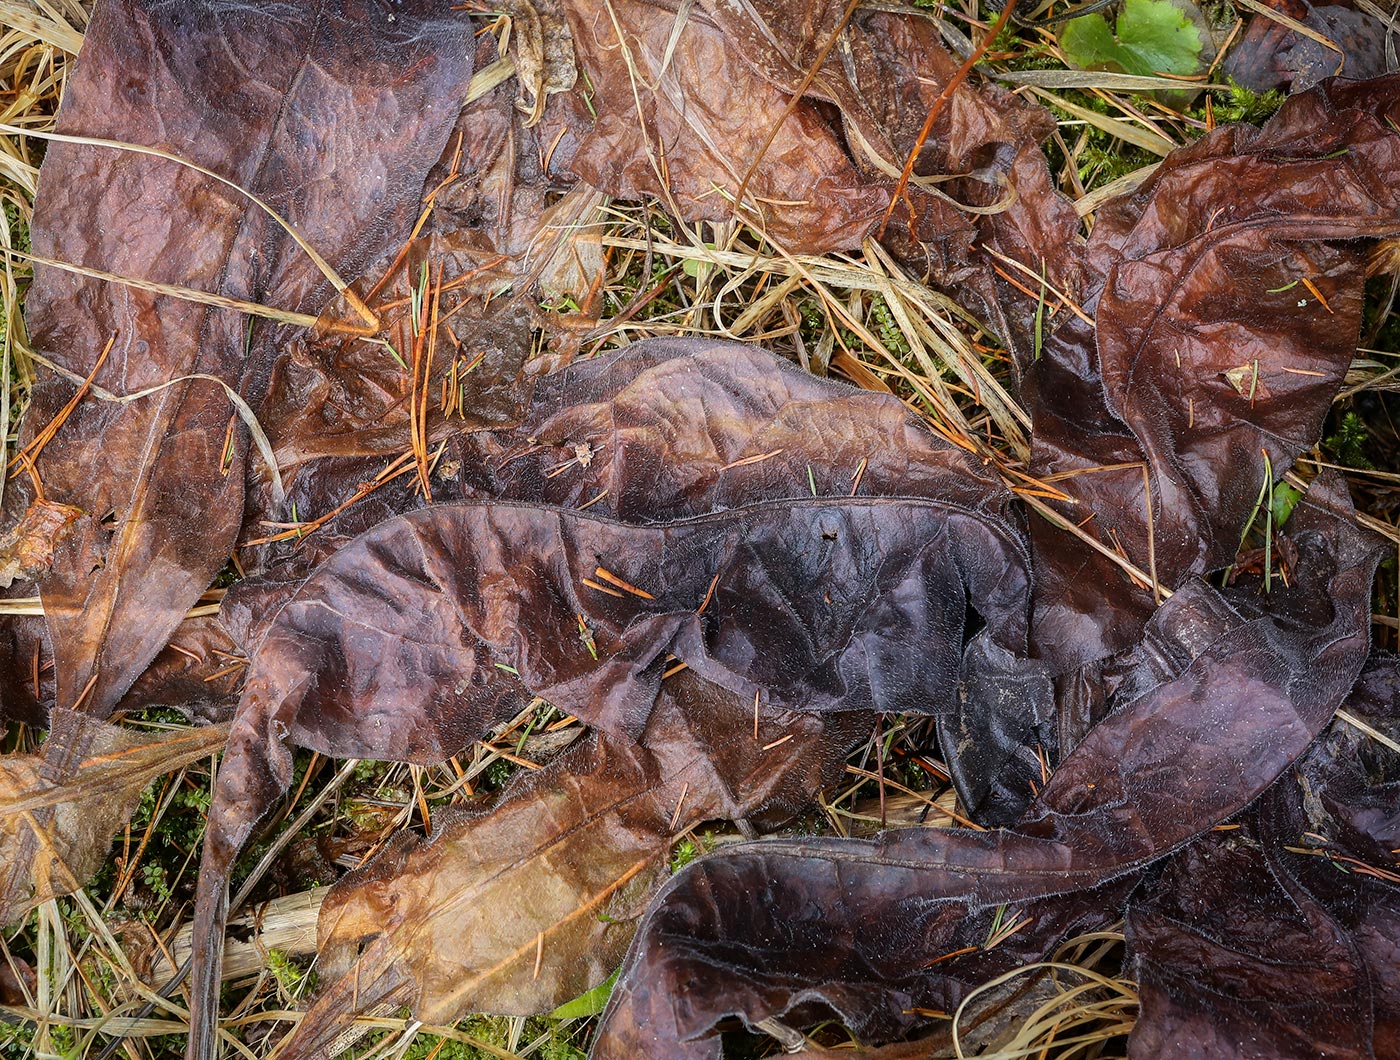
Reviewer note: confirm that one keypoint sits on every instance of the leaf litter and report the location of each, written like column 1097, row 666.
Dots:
column 730, row 570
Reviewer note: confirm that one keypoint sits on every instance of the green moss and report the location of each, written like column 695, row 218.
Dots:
column 1347, row 443
column 1103, row 158
column 886, row 326
column 1240, row 104
column 686, row 851
column 292, row 980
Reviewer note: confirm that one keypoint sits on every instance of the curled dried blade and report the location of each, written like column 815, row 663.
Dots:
column 155, row 152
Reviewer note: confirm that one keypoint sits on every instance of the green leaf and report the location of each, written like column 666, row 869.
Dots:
column 589, row 1004
column 1284, row 499
column 1152, row 37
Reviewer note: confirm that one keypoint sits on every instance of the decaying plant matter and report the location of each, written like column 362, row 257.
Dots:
column 298, row 324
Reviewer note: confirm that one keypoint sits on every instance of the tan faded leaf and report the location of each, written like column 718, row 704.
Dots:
column 527, row 906
column 59, row 809
column 542, row 49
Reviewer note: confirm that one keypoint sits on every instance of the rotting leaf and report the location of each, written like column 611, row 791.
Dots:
column 473, row 607
column 1224, row 691
column 347, row 174
column 661, row 429
column 26, row 549
column 59, row 809
column 543, row 54
column 1270, row 54
column 1244, row 684
column 980, row 182
column 340, row 409
column 696, row 106
column 199, row 673
column 516, row 909
column 417, row 636
column 671, row 109
column 677, row 427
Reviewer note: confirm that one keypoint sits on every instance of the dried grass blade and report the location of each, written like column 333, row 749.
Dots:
column 324, row 266
column 1158, row 145
column 26, row 20
column 188, row 294
column 245, row 411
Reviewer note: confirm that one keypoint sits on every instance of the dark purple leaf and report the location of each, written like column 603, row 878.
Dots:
column 778, row 926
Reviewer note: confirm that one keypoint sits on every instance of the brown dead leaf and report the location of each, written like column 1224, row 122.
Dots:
column 1210, row 353
column 673, row 110
column 275, row 101
column 1231, row 691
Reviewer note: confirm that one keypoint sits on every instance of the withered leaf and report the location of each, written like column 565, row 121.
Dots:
column 291, row 105
column 980, row 177
column 18, row 981
column 674, row 111
column 661, row 429
column 199, row 673
column 59, row 809
column 339, row 409
column 1269, row 54
column 666, row 428
column 348, row 400
column 1240, row 250
column 418, row 635
column 693, row 103
column 521, row 907
column 782, row 539
column 543, row 53
column 1246, row 684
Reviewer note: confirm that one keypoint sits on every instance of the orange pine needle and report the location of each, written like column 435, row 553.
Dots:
column 24, row 461
column 1317, row 294
column 601, row 588
column 709, row 594
column 746, row 461
column 612, row 579
column 901, row 189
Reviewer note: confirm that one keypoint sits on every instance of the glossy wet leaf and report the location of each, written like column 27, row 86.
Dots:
column 1270, row 55
column 580, row 534
column 1296, row 914
column 661, row 429
column 416, row 637
column 1203, row 269
column 420, row 634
